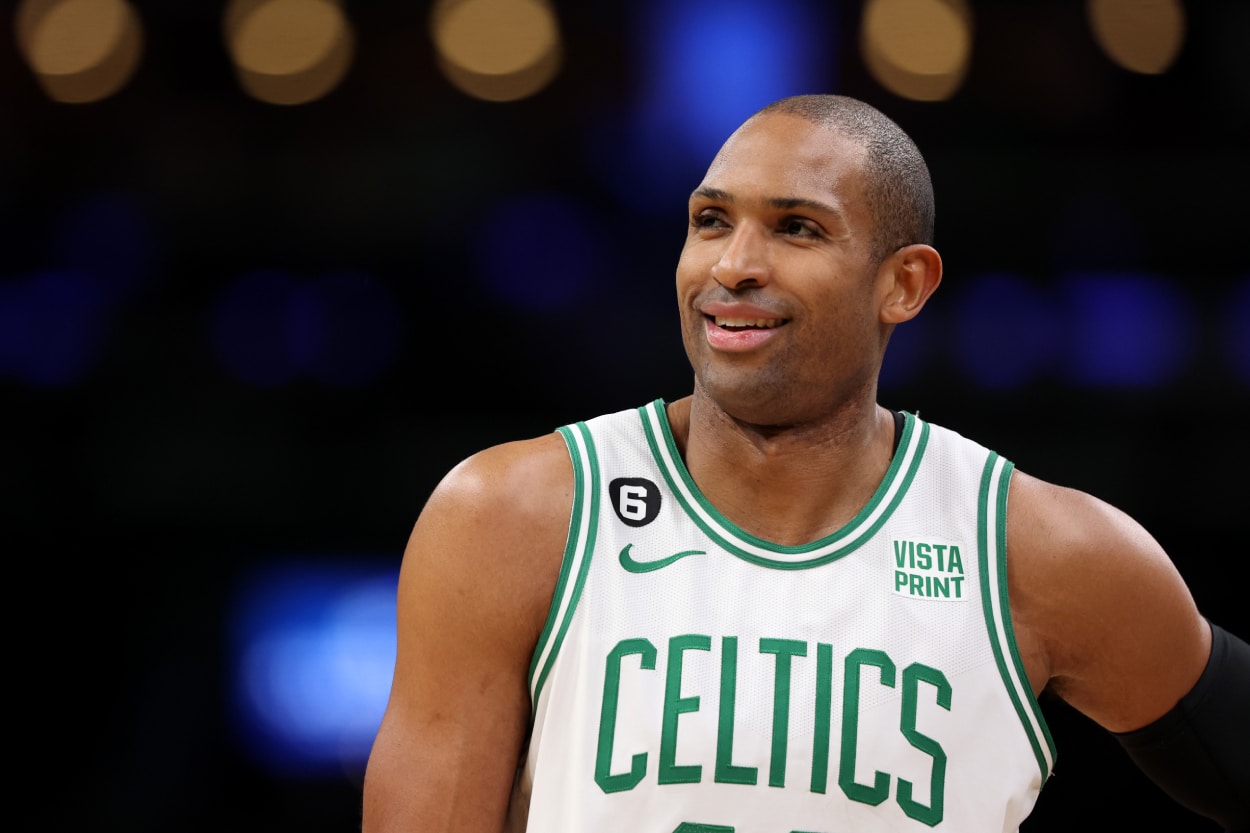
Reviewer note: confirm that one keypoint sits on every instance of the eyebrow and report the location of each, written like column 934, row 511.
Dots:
column 718, row 195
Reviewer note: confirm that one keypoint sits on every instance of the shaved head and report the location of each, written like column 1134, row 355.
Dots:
column 897, row 187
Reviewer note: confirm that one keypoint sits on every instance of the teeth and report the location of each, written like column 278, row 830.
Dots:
column 759, row 323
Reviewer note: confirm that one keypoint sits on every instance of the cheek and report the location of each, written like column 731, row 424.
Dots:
column 690, row 267
column 847, row 320
column 691, row 276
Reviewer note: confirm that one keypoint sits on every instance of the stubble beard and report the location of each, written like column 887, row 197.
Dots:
column 770, row 397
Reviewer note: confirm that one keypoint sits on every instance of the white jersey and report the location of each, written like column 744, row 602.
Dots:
column 693, row 678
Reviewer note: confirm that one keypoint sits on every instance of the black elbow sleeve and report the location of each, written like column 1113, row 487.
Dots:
column 1199, row 752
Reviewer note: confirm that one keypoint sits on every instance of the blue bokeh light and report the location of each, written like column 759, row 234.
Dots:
column 701, row 71
column 312, row 651
column 344, row 329
column 540, row 251
column 1007, row 333
column 55, row 323
column 910, row 353
column 246, row 328
column 1126, row 330
column 1237, row 331
column 54, row 327
column 269, row 328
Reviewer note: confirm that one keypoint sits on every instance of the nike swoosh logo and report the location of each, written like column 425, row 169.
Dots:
column 628, row 562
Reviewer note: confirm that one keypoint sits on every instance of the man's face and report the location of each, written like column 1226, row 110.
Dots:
column 775, row 283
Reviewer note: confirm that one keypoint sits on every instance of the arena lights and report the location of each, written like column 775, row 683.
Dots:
column 1140, row 37
column 270, row 328
column 79, row 50
column 671, row 127
column 917, row 49
column 1236, row 331
column 1085, row 330
column 312, row 647
column 297, row 51
column 921, row 49
column 288, row 51
column 1127, row 330
column 537, row 253
column 497, row 50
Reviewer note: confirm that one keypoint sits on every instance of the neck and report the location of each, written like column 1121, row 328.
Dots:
column 789, row 484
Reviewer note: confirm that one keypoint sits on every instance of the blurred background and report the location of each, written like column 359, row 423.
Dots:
column 270, row 267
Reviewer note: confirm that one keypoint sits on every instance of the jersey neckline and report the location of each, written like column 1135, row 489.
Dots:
column 744, row 545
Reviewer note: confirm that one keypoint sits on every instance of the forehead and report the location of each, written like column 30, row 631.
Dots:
column 786, row 156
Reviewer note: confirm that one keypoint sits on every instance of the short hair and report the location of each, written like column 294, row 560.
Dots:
column 897, row 187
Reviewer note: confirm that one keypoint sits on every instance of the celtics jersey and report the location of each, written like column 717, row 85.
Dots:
column 694, row 678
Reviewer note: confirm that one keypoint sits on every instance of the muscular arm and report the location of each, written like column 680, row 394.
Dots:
column 474, row 589
column 1103, row 618
column 1106, row 623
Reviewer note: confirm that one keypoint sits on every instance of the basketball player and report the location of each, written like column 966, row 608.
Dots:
column 774, row 605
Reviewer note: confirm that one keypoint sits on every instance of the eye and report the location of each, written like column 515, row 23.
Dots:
column 707, row 220
column 798, row 227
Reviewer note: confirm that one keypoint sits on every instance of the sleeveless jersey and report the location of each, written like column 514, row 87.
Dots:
column 694, row 678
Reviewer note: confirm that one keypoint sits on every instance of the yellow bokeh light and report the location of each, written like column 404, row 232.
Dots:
column 288, row 51
column 493, row 37
column 283, row 37
column 77, row 35
column 80, row 50
column 925, row 37
column 918, row 49
column 1142, row 36
column 512, row 87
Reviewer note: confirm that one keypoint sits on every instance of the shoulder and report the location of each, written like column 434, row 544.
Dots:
column 507, row 501
column 515, row 480
column 1103, row 618
column 492, row 535
column 1073, row 522
column 475, row 585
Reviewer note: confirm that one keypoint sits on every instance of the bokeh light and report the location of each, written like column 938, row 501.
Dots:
column 270, row 328
column 918, row 49
column 497, row 50
column 312, row 646
column 80, row 51
column 1144, row 36
column 652, row 149
column 1007, row 333
column 1126, row 330
column 1235, row 331
column 288, row 51
column 539, row 252
column 54, row 327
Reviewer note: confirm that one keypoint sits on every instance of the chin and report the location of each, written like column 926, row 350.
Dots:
column 755, row 401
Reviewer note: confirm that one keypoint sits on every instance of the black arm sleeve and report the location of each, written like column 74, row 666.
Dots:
column 1199, row 752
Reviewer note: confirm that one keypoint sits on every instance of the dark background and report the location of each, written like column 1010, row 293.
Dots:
column 134, row 497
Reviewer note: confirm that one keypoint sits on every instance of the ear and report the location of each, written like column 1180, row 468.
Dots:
column 906, row 280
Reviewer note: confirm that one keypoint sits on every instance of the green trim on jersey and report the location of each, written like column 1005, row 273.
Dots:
column 756, row 550
column 584, row 521
column 992, row 563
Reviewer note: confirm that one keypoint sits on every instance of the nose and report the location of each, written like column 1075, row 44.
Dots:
column 744, row 261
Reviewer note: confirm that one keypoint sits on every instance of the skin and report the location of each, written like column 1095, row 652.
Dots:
column 783, row 433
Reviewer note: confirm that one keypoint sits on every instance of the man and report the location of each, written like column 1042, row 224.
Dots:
column 775, row 605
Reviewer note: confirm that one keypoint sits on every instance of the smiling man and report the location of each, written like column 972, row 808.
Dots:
column 775, row 605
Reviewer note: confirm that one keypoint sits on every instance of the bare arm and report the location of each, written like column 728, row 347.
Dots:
column 474, row 589
column 1103, row 618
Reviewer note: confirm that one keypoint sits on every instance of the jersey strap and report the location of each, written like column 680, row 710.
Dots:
column 992, row 541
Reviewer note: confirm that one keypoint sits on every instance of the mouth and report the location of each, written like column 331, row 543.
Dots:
column 739, row 324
